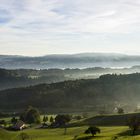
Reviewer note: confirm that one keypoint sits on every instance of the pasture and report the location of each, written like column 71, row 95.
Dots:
column 74, row 133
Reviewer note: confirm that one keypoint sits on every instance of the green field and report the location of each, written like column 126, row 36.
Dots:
column 111, row 126
column 107, row 133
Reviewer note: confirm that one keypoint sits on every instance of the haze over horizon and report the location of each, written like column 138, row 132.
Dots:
column 38, row 27
column 73, row 54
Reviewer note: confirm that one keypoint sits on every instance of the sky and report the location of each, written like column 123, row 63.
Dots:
column 41, row 27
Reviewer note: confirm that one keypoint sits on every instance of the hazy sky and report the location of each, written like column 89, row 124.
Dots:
column 39, row 27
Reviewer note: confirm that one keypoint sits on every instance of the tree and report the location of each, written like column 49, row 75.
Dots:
column 31, row 115
column 120, row 110
column 92, row 130
column 13, row 120
column 134, row 124
column 45, row 119
column 51, row 119
column 62, row 120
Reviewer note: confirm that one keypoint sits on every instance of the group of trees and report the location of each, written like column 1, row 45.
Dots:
column 46, row 119
column 32, row 115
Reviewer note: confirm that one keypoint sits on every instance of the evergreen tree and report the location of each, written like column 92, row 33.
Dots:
column 51, row 119
column 45, row 119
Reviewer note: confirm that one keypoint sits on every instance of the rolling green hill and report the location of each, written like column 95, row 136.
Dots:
column 111, row 120
column 107, row 133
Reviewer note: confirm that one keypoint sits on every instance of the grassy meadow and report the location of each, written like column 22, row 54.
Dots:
column 74, row 133
column 76, row 130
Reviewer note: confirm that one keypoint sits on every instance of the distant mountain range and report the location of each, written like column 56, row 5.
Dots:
column 83, row 60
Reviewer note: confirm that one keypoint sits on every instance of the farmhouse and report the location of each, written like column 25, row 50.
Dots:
column 19, row 125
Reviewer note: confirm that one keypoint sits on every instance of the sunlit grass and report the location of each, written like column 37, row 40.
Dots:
column 107, row 133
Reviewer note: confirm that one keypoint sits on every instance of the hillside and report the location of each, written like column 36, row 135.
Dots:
column 83, row 60
column 107, row 133
column 23, row 77
column 26, row 77
column 103, row 93
column 111, row 120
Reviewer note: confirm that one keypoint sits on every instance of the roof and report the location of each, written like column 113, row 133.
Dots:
column 19, row 124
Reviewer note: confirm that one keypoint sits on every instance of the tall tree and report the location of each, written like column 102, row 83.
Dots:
column 31, row 115
column 51, row 119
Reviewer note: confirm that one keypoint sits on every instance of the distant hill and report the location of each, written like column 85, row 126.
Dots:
column 83, row 60
column 104, row 93
column 26, row 77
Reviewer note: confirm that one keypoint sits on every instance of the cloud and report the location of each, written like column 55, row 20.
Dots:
column 47, row 20
column 71, row 16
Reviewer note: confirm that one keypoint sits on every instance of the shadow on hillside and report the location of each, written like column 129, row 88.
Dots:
column 88, row 137
column 129, row 133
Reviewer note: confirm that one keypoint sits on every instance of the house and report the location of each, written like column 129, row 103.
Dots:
column 44, row 125
column 19, row 125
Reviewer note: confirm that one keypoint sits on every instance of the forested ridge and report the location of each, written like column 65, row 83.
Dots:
column 26, row 77
column 91, row 93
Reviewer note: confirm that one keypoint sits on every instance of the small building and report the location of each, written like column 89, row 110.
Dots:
column 44, row 125
column 19, row 125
